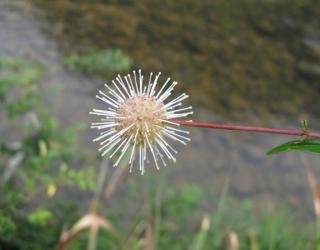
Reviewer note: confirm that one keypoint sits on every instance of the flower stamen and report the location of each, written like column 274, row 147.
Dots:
column 138, row 117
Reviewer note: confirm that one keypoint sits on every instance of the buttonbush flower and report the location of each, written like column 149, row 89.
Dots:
column 139, row 119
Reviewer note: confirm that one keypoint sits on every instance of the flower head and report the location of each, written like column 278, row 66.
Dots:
column 138, row 119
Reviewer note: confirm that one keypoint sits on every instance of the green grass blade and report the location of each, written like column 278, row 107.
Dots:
column 200, row 239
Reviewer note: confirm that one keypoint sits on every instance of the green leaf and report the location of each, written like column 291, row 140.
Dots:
column 305, row 145
column 40, row 217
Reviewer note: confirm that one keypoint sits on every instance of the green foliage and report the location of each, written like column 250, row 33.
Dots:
column 84, row 179
column 184, row 200
column 274, row 230
column 200, row 238
column 98, row 62
column 30, row 175
column 40, row 217
column 303, row 145
column 18, row 85
column 7, row 226
column 180, row 224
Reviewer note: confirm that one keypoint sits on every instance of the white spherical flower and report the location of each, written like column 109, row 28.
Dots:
column 140, row 120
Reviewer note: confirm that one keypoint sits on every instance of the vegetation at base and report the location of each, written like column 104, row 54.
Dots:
column 177, row 212
column 237, row 58
column 37, row 159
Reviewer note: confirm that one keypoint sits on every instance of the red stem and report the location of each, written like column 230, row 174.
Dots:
column 249, row 129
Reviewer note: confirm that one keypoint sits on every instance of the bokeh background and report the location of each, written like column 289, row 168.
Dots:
column 241, row 61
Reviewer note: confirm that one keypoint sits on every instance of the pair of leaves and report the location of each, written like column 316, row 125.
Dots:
column 304, row 145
